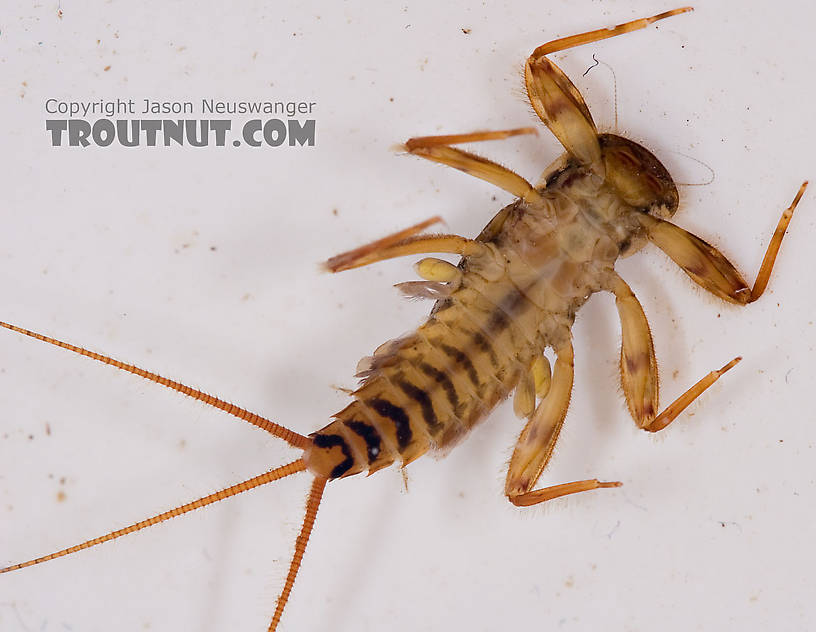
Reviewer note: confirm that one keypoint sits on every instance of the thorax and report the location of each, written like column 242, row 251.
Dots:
column 556, row 253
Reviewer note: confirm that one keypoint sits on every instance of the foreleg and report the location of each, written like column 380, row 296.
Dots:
column 707, row 266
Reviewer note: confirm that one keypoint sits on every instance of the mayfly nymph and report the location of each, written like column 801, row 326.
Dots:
column 512, row 297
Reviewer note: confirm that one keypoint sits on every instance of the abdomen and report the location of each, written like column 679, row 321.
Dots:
column 430, row 388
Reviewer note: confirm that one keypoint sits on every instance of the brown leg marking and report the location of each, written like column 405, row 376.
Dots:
column 638, row 367
column 558, row 102
column 707, row 266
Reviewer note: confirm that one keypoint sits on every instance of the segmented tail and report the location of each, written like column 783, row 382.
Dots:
column 292, row 438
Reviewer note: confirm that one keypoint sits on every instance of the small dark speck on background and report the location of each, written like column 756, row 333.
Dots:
column 466, row 31
column 729, row 523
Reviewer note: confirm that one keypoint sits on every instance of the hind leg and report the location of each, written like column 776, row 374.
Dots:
column 537, row 441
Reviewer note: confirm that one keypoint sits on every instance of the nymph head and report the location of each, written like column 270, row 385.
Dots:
column 638, row 176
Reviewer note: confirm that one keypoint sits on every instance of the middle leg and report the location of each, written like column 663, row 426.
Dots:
column 638, row 366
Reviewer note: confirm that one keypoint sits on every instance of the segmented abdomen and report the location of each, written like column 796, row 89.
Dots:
column 428, row 389
column 517, row 297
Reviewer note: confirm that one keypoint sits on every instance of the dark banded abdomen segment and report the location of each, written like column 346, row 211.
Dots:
column 356, row 427
column 394, row 417
column 490, row 335
column 429, row 415
column 434, row 387
column 377, row 429
column 369, row 434
column 329, row 455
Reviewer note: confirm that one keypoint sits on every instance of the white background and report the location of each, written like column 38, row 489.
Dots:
column 113, row 249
